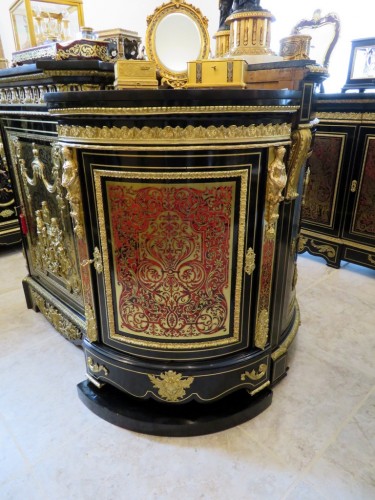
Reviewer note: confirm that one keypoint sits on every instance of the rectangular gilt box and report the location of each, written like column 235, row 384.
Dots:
column 217, row 73
column 133, row 74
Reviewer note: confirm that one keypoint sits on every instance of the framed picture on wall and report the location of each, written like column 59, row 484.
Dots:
column 361, row 71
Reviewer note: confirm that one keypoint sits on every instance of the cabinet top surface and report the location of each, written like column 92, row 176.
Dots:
column 170, row 97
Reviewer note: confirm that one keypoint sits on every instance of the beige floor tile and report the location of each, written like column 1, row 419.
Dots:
column 316, row 441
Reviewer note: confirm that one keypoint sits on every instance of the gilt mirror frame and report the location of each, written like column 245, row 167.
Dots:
column 316, row 22
column 174, row 77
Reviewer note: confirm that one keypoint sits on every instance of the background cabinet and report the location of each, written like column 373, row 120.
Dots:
column 9, row 227
column 338, row 216
column 30, row 150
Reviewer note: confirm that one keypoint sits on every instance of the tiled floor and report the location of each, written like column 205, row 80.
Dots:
column 316, row 441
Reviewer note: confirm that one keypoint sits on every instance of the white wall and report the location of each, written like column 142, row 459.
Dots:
column 129, row 14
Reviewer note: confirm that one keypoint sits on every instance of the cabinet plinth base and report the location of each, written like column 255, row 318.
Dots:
column 163, row 419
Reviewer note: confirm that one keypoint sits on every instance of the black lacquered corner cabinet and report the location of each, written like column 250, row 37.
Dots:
column 187, row 204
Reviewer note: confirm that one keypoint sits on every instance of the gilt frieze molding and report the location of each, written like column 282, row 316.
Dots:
column 300, row 150
column 368, row 117
column 155, row 135
column 60, row 318
column 34, row 94
column 339, row 116
column 168, row 110
column 317, row 69
column 54, row 73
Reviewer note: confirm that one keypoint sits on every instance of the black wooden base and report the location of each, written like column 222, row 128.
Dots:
column 165, row 419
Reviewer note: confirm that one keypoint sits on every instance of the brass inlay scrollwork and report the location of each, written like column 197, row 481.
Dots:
column 58, row 321
column 276, row 182
column 171, row 385
column 261, row 333
column 70, row 181
column 170, row 134
column 6, row 213
column 253, row 375
column 250, row 261
column 301, row 142
column 95, row 367
column 328, row 249
column 83, row 50
column 337, row 241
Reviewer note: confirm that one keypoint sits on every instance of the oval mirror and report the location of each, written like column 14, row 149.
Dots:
column 176, row 34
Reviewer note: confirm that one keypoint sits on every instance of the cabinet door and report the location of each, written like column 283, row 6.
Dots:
column 329, row 165
column 360, row 220
column 49, row 241
column 174, row 229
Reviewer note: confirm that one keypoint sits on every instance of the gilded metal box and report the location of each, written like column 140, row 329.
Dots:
column 130, row 74
column 217, row 73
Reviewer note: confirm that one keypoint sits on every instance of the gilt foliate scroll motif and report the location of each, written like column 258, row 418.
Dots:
column 96, row 367
column 51, row 253
column 250, row 261
column 255, row 375
column 38, row 169
column 171, row 385
column 262, row 328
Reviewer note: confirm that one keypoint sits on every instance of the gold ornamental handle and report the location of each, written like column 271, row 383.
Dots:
column 353, row 187
column 96, row 260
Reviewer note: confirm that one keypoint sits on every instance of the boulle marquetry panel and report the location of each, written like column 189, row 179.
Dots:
column 338, row 211
column 363, row 218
